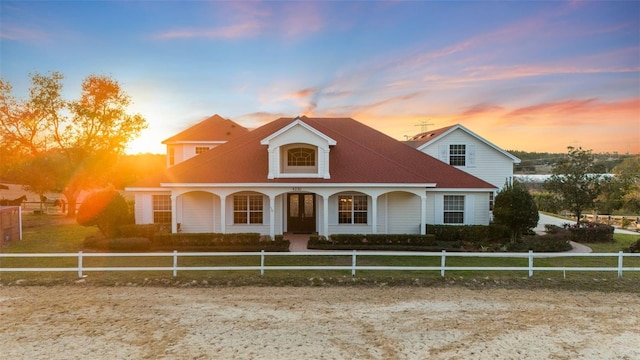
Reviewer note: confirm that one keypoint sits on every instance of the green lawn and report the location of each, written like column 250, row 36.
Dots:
column 55, row 234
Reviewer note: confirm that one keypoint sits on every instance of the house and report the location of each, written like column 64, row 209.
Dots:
column 311, row 175
column 201, row 137
column 460, row 147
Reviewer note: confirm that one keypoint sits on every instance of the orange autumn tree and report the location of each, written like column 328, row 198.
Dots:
column 52, row 144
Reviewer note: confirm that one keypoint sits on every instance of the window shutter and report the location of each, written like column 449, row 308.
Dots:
column 444, row 153
column 439, row 209
column 469, row 210
column 471, row 156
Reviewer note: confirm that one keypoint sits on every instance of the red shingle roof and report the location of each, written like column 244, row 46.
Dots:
column 423, row 138
column 362, row 155
column 214, row 128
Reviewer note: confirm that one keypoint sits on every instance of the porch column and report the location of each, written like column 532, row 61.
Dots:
column 325, row 216
column 223, row 214
column 174, row 213
column 272, row 217
column 374, row 214
column 423, row 215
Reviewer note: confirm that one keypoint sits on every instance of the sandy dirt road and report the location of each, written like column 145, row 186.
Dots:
column 90, row 322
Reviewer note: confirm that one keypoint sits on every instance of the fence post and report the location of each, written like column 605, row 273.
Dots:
column 353, row 264
column 175, row 263
column 262, row 262
column 620, row 260
column 80, row 264
column 442, row 262
column 530, row 263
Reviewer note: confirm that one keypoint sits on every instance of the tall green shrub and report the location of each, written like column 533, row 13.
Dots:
column 106, row 209
column 514, row 207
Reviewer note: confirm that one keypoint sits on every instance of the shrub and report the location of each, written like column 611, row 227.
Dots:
column 407, row 242
column 556, row 242
column 469, row 233
column 121, row 244
column 592, row 233
column 218, row 242
column 634, row 248
column 142, row 230
column 106, row 209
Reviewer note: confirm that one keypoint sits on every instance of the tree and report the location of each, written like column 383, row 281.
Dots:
column 628, row 174
column 515, row 208
column 83, row 137
column 575, row 182
column 106, row 209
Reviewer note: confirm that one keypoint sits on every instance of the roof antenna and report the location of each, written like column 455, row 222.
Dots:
column 424, row 125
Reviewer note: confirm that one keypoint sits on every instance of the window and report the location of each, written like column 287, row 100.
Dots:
column 247, row 209
column 457, row 155
column 301, row 157
column 453, row 209
column 161, row 209
column 352, row 209
column 491, row 201
column 201, row 149
column 172, row 155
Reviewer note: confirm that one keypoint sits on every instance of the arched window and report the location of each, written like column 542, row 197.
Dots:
column 301, row 157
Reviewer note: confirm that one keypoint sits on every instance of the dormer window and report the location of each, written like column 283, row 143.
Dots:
column 297, row 150
column 299, row 159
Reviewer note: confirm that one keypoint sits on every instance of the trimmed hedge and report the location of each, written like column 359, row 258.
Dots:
column 207, row 242
column 130, row 244
column 218, row 242
column 404, row 242
column 469, row 233
column 592, row 233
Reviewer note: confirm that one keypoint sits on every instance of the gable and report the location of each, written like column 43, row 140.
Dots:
column 452, row 135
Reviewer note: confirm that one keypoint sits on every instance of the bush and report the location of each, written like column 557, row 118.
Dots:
column 218, row 242
column 105, row 208
column 592, row 233
column 469, row 233
column 406, row 242
column 634, row 248
column 124, row 244
column 142, row 230
column 551, row 242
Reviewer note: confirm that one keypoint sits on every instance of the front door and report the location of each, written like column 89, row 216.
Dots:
column 301, row 213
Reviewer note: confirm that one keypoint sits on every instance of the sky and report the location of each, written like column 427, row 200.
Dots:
column 525, row 75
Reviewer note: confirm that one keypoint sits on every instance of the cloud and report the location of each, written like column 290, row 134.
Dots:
column 579, row 112
column 243, row 30
column 17, row 33
column 289, row 20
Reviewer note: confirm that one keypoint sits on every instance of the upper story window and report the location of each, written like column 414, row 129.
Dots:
column 172, row 155
column 299, row 159
column 457, row 155
column 201, row 149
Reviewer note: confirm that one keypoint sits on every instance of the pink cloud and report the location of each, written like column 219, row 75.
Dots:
column 12, row 32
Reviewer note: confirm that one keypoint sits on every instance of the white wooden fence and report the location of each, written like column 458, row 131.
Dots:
column 443, row 268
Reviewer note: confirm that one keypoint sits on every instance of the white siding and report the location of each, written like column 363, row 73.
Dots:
column 403, row 213
column 482, row 161
column 197, row 212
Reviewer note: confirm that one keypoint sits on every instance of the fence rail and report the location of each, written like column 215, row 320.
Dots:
column 354, row 267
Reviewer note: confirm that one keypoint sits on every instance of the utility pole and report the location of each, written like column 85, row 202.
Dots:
column 424, row 125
